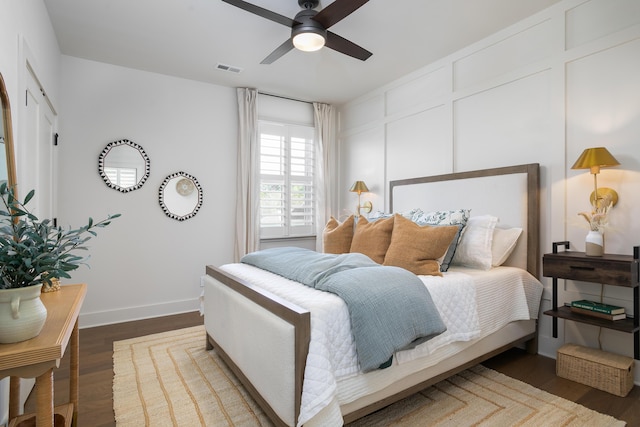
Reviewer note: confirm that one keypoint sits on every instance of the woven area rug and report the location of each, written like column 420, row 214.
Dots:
column 169, row 379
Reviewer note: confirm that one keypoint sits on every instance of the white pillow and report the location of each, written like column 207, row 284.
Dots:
column 474, row 249
column 504, row 242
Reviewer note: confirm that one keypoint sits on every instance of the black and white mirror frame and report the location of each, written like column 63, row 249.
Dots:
column 171, row 191
column 123, row 143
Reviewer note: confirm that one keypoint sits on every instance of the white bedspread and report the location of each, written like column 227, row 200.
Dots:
column 473, row 304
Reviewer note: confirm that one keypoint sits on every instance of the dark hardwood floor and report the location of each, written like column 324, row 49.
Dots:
column 96, row 373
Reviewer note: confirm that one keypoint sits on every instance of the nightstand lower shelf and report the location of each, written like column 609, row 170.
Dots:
column 624, row 325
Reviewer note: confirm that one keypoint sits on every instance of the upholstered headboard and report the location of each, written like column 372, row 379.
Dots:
column 511, row 193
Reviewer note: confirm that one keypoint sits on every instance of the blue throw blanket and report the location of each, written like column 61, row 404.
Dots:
column 390, row 308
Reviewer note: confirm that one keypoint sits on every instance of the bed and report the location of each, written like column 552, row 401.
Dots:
column 287, row 343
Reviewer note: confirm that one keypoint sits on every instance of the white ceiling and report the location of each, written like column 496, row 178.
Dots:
column 188, row 38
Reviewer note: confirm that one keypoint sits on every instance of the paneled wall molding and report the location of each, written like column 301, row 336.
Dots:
column 607, row 42
column 504, row 79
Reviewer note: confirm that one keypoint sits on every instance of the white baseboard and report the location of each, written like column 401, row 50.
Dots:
column 108, row 317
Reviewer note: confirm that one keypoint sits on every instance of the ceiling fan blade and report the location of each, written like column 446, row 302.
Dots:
column 280, row 19
column 337, row 11
column 343, row 45
column 280, row 50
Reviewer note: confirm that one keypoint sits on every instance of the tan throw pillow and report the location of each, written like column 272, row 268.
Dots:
column 372, row 238
column 418, row 248
column 336, row 238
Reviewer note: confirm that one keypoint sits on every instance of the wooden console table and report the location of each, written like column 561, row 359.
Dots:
column 37, row 358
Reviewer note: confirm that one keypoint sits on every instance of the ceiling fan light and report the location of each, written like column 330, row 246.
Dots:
column 308, row 42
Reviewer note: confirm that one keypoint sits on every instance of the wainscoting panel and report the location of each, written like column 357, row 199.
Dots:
column 425, row 136
column 427, row 88
column 508, row 124
column 596, row 18
column 364, row 161
column 514, row 52
column 359, row 114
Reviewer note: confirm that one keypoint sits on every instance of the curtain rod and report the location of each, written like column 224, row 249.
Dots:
column 284, row 97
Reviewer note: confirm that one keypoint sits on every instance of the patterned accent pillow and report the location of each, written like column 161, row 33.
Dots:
column 418, row 248
column 380, row 215
column 458, row 217
column 336, row 238
column 372, row 238
column 453, row 217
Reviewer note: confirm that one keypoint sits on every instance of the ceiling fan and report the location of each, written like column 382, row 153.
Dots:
column 309, row 27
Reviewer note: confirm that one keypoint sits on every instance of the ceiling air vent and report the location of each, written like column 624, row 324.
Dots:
column 229, row 68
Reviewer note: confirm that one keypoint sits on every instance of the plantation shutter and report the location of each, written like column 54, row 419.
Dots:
column 286, row 180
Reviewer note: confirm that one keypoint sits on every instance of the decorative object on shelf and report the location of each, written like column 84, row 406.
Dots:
column 53, row 286
column 360, row 187
column 602, row 199
column 594, row 243
column 124, row 165
column 597, row 306
column 34, row 252
column 180, row 196
column 597, row 314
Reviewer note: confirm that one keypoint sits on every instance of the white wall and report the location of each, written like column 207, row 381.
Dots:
column 145, row 264
column 540, row 91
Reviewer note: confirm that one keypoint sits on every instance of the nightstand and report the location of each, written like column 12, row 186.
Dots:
column 609, row 269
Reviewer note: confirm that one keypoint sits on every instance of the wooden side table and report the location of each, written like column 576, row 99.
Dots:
column 609, row 269
column 37, row 358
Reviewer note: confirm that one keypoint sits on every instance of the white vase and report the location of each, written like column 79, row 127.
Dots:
column 594, row 243
column 22, row 314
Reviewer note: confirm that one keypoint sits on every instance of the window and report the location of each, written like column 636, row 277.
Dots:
column 287, row 194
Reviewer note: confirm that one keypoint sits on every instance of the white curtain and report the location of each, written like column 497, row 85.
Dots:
column 247, row 220
column 325, row 124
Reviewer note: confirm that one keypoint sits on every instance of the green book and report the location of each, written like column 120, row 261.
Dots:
column 597, row 306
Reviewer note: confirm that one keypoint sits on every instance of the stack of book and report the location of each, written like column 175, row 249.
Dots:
column 597, row 309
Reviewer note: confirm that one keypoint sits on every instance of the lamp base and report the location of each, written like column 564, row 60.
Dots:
column 367, row 207
column 604, row 192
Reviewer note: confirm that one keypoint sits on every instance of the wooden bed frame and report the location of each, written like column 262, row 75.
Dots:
column 251, row 298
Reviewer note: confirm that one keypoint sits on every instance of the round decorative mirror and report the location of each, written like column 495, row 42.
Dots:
column 180, row 196
column 7, row 162
column 123, row 165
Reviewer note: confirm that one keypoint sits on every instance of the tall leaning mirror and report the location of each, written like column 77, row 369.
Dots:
column 7, row 162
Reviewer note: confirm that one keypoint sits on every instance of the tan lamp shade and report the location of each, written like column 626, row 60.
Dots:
column 359, row 187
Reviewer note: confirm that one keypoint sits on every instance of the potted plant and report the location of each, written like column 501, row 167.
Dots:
column 33, row 252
